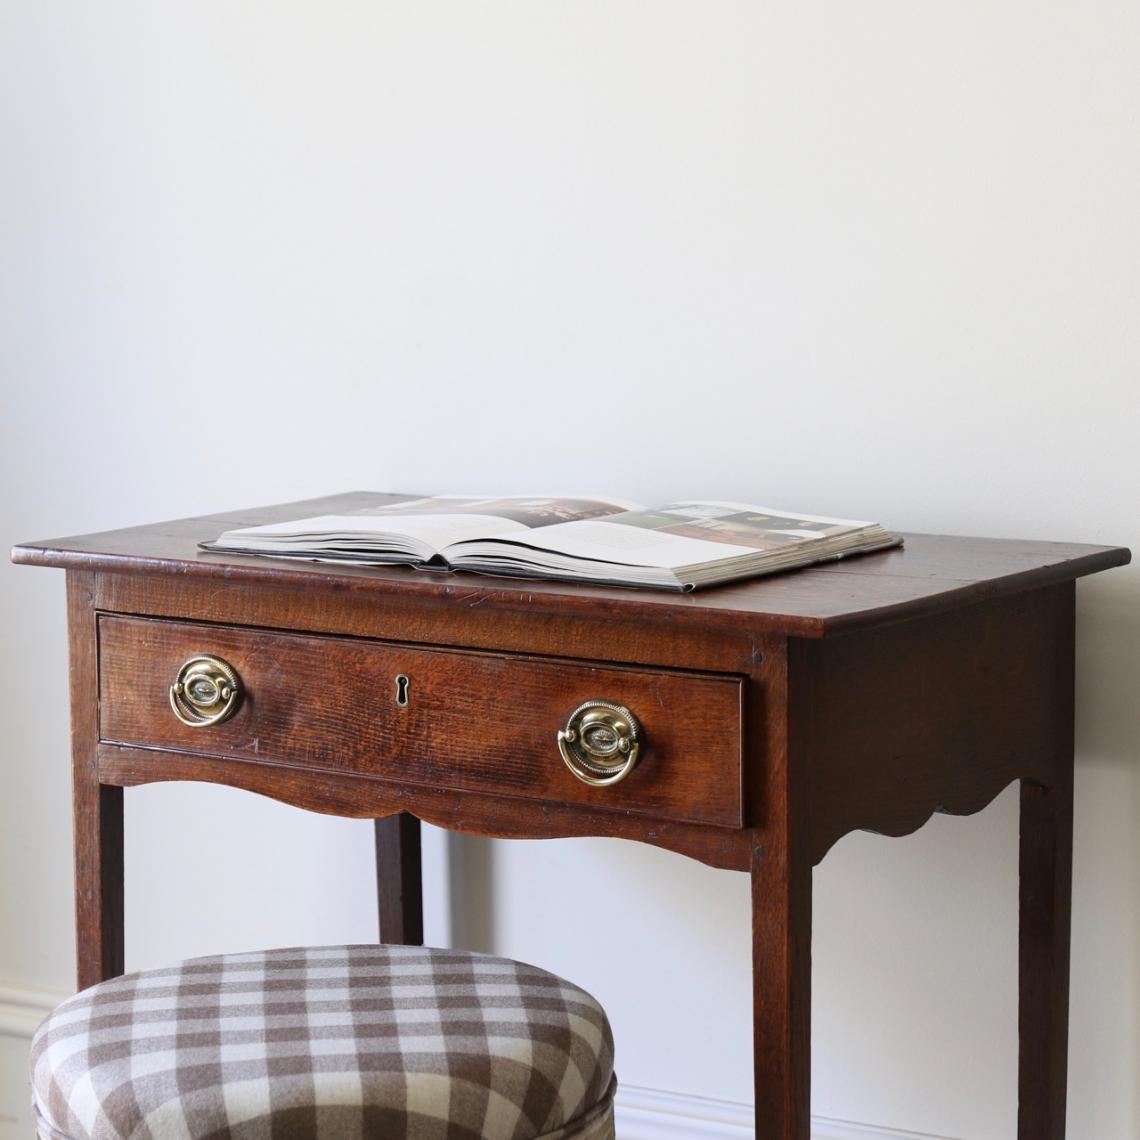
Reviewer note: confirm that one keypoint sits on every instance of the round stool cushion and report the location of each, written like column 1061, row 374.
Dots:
column 330, row 1042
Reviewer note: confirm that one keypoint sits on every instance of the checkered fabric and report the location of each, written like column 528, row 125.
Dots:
column 331, row 1043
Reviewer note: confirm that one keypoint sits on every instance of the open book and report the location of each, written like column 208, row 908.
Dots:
column 680, row 546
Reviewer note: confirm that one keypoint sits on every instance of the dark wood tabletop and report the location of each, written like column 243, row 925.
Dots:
column 929, row 573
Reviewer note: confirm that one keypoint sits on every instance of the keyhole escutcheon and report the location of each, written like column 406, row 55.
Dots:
column 402, row 684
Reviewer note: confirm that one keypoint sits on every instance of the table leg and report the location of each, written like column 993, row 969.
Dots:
column 1046, row 863
column 781, row 987
column 98, row 880
column 97, row 809
column 399, row 880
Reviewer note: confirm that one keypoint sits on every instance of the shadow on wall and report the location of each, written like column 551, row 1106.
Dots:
column 1108, row 671
column 470, row 866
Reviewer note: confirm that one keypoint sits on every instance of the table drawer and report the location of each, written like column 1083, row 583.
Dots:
column 460, row 719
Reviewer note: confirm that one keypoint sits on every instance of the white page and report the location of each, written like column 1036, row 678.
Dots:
column 425, row 524
column 435, row 530
column 710, row 508
column 634, row 546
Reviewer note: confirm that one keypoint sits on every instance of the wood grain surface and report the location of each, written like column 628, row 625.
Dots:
column 938, row 714
column 474, row 721
column 97, row 807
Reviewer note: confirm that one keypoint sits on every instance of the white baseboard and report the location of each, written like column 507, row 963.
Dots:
column 22, row 1008
column 650, row 1114
column 642, row 1114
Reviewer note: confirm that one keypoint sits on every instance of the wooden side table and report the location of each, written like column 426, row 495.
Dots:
column 775, row 716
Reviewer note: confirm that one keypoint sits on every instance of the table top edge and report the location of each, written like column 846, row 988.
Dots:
column 459, row 589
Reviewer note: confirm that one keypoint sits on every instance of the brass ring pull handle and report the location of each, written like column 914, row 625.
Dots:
column 600, row 743
column 206, row 691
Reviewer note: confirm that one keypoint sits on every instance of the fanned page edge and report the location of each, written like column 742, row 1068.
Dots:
column 559, row 566
column 663, row 548
column 413, row 535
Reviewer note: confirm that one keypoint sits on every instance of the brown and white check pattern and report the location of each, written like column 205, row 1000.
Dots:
column 330, row 1043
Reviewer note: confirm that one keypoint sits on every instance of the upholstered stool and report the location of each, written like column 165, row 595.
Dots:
column 333, row 1042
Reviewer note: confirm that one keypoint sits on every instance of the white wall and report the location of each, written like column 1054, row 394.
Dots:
column 875, row 259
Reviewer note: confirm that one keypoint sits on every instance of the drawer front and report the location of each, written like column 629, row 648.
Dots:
column 468, row 720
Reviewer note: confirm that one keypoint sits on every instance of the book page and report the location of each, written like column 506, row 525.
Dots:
column 682, row 534
column 735, row 524
column 342, row 531
column 414, row 530
column 527, row 510
column 605, row 541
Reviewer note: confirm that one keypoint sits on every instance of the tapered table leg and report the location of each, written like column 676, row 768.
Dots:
column 1043, row 1012
column 98, row 883
column 781, row 985
column 97, row 808
column 399, row 880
